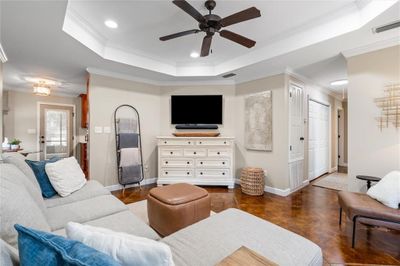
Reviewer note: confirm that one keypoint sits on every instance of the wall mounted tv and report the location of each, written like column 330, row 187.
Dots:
column 196, row 109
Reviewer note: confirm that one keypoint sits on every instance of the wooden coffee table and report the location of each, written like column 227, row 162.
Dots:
column 245, row 256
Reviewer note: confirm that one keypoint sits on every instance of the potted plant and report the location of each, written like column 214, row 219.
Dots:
column 15, row 144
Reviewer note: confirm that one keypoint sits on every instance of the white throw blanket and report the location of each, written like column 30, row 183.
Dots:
column 129, row 157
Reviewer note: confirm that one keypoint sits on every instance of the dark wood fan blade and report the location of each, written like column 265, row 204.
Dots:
column 178, row 34
column 237, row 38
column 206, row 45
column 241, row 16
column 185, row 6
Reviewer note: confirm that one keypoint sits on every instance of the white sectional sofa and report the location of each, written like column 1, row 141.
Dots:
column 204, row 243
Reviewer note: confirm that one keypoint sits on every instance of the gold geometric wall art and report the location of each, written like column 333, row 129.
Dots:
column 390, row 106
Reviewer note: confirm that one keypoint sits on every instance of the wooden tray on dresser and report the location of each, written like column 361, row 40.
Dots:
column 196, row 134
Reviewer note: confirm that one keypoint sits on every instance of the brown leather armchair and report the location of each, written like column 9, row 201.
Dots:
column 366, row 210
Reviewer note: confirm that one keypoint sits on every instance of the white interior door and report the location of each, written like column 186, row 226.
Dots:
column 296, row 136
column 318, row 139
column 56, row 131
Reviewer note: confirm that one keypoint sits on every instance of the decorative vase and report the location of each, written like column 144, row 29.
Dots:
column 14, row 147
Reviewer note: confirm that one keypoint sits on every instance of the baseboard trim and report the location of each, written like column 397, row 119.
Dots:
column 277, row 191
column 333, row 169
column 146, row 181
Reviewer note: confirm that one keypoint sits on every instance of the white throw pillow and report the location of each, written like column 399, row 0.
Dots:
column 66, row 176
column 124, row 248
column 387, row 190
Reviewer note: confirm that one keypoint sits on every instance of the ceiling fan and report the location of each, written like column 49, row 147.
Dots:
column 212, row 23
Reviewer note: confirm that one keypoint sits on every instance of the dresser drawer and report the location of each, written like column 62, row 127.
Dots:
column 218, row 153
column 213, row 142
column 195, row 152
column 167, row 172
column 212, row 173
column 219, row 163
column 175, row 142
column 171, row 152
column 170, row 162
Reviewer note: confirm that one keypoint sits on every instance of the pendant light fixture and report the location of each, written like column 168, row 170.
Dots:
column 41, row 89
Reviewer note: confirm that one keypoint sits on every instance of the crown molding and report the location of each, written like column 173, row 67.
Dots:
column 3, row 56
column 372, row 47
column 53, row 93
column 111, row 74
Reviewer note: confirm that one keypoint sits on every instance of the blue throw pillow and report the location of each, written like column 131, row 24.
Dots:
column 38, row 168
column 46, row 249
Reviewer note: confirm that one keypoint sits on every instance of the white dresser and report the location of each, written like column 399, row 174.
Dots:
column 199, row 161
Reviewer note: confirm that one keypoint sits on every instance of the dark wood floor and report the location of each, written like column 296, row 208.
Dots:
column 311, row 212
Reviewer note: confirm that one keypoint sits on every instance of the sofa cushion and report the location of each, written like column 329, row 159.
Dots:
column 18, row 160
column 83, row 211
column 15, row 175
column 18, row 207
column 42, row 248
column 211, row 240
column 125, row 222
column 91, row 189
column 66, row 176
column 38, row 168
column 8, row 255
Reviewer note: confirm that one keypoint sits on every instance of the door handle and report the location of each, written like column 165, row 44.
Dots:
column 302, row 138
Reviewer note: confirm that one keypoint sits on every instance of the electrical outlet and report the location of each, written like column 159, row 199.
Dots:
column 98, row 130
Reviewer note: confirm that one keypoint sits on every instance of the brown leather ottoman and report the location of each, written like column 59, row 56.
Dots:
column 176, row 206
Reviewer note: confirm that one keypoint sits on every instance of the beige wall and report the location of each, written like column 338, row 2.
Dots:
column 105, row 95
column 370, row 150
column 276, row 161
column 22, row 115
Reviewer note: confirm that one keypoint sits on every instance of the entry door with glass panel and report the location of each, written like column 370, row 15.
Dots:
column 56, row 131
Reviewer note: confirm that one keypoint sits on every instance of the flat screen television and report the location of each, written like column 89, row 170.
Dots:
column 196, row 109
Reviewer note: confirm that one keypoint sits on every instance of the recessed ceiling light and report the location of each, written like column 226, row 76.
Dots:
column 339, row 82
column 111, row 24
column 194, row 54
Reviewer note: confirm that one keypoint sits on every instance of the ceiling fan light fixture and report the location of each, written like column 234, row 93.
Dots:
column 339, row 82
column 111, row 24
column 194, row 55
column 41, row 89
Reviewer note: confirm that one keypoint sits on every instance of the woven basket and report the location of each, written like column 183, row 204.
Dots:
column 252, row 181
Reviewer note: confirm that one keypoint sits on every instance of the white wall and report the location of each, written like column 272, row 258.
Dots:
column 370, row 150
column 105, row 95
column 22, row 115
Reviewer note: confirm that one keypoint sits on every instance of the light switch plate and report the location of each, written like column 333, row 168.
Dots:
column 98, row 130
column 106, row 129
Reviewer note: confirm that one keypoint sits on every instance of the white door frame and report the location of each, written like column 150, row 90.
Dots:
column 38, row 104
column 340, row 162
column 327, row 104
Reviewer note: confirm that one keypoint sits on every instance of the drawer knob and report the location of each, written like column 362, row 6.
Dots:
column 200, row 142
column 201, row 162
column 187, row 162
column 166, row 162
column 223, row 173
column 223, row 162
column 165, row 142
column 188, row 142
column 194, row 152
column 172, row 152
column 224, row 142
column 166, row 173
column 218, row 153
column 188, row 173
column 201, row 173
